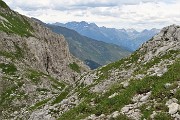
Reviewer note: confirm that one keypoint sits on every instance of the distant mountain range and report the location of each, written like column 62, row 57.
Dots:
column 94, row 53
column 129, row 39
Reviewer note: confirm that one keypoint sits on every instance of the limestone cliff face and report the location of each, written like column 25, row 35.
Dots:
column 36, row 67
column 42, row 50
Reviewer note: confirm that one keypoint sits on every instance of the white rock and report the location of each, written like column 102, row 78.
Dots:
column 125, row 109
column 170, row 101
column 115, row 114
column 177, row 116
column 173, row 108
column 153, row 115
column 145, row 98
column 102, row 116
column 125, row 84
column 167, row 85
column 15, row 112
column 93, row 116
column 113, row 95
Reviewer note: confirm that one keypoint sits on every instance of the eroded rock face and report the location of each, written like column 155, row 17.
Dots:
column 167, row 39
column 34, row 69
column 46, row 51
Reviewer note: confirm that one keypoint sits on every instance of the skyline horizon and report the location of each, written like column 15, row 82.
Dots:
column 108, row 27
column 139, row 14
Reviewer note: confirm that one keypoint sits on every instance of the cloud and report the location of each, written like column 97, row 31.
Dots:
column 139, row 14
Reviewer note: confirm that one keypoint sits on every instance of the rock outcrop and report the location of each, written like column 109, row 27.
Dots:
column 36, row 68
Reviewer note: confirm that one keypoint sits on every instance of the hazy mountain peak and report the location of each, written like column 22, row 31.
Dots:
column 129, row 39
column 131, row 30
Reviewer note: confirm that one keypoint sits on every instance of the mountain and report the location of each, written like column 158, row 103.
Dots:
column 41, row 80
column 129, row 39
column 36, row 66
column 94, row 53
column 145, row 85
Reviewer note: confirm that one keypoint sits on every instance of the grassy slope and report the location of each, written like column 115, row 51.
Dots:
column 11, row 23
column 150, row 83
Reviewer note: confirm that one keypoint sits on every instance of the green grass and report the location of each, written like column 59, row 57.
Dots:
column 61, row 96
column 9, row 69
column 34, row 76
column 163, row 116
column 75, row 67
column 143, row 68
column 56, row 84
column 6, row 97
column 16, row 24
column 3, row 4
column 13, row 55
column 177, row 95
column 39, row 104
column 106, row 106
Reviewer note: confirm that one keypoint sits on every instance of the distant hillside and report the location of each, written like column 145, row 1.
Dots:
column 94, row 53
column 129, row 39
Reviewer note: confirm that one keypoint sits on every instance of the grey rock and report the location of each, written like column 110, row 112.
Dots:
column 167, row 85
column 173, row 108
column 145, row 98
column 115, row 114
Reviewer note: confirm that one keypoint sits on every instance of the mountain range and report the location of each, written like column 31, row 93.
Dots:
column 94, row 53
column 129, row 39
column 41, row 80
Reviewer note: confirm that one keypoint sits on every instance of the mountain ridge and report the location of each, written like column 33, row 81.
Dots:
column 90, row 50
column 124, row 38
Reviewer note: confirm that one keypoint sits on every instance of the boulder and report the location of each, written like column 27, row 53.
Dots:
column 125, row 109
column 173, row 108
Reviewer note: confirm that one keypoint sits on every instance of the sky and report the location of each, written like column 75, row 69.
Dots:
column 137, row 14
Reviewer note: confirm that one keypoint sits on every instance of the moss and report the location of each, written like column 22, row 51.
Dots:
column 75, row 67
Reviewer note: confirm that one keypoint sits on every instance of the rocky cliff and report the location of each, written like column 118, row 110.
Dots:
column 36, row 66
